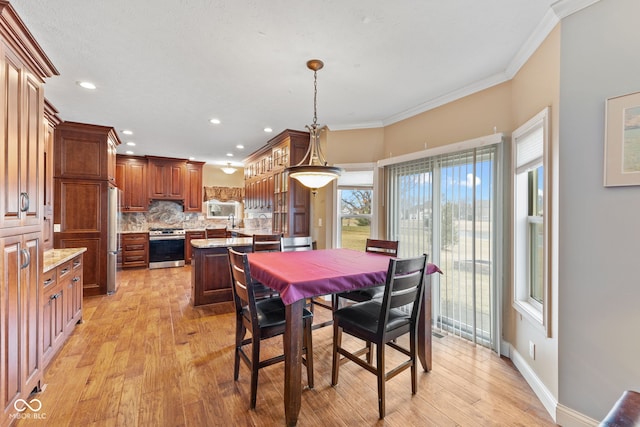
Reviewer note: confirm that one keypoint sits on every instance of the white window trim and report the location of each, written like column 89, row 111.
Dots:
column 537, row 314
column 374, row 199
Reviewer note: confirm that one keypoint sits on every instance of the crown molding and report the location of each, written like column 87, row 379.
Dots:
column 564, row 8
column 559, row 10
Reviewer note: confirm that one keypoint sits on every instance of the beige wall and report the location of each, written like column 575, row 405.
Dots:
column 212, row 176
column 501, row 108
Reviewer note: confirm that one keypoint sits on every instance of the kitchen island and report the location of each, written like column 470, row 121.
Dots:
column 210, row 275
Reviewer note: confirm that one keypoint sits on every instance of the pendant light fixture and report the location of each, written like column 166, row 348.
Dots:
column 312, row 171
column 228, row 169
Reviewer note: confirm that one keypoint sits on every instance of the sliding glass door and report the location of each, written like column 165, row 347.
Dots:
column 445, row 206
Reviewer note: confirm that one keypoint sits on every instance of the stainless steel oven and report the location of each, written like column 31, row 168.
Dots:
column 166, row 247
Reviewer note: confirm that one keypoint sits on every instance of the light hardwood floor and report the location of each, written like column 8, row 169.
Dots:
column 145, row 357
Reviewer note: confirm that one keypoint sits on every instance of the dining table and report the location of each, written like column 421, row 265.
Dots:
column 307, row 274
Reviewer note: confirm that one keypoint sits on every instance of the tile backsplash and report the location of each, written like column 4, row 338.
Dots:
column 168, row 214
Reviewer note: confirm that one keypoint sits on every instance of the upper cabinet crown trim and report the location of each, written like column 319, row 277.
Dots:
column 17, row 35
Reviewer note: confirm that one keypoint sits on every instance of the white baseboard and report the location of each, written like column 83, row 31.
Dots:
column 546, row 397
column 567, row 417
column 561, row 414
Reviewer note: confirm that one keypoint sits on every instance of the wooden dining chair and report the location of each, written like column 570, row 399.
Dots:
column 267, row 243
column 263, row 318
column 381, row 323
column 382, row 247
column 216, row 233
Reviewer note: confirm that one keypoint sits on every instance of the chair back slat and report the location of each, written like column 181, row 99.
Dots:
column 404, row 286
column 383, row 247
column 267, row 242
column 242, row 285
column 297, row 243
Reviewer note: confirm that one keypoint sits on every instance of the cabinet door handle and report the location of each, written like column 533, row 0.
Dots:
column 24, row 202
column 26, row 256
column 75, row 279
column 56, row 296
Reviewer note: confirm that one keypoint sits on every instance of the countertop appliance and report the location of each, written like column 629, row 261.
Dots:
column 166, row 247
column 113, row 238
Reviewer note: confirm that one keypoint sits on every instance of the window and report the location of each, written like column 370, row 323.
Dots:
column 446, row 205
column 530, row 235
column 355, row 202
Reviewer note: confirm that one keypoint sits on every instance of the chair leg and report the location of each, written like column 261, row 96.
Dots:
column 370, row 352
column 308, row 345
column 255, row 365
column 381, row 379
column 337, row 342
column 414, row 364
column 240, row 332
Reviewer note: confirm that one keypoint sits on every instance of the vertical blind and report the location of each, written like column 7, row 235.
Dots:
column 445, row 206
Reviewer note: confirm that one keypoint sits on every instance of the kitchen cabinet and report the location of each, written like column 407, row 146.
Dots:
column 51, row 120
column 24, row 67
column 135, row 250
column 85, row 151
column 131, row 178
column 210, row 274
column 84, row 169
column 167, row 178
column 188, row 250
column 20, row 320
column 193, row 190
column 81, row 210
column 61, row 305
column 269, row 189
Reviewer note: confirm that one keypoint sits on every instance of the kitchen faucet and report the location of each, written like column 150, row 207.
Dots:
column 232, row 218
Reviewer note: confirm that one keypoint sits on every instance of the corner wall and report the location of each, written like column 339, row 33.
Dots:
column 600, row 231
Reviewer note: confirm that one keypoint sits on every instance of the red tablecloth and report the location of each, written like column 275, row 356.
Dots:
column 303, row 274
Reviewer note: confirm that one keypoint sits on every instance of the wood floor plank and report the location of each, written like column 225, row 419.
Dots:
column 145, row 357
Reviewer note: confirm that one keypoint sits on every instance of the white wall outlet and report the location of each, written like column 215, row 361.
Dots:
column 532, row 350
column 56, row 228
column 319, row 222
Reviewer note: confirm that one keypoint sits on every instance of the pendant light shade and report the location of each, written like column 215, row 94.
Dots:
column 228, row 169
column 313, row 171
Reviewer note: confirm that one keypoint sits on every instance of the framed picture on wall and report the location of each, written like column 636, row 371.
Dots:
column 622, row 141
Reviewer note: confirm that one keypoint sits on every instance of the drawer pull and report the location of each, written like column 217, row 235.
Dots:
column 64, row 271
column 48, row 282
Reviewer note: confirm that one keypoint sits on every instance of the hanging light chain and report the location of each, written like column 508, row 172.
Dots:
column 315, row 97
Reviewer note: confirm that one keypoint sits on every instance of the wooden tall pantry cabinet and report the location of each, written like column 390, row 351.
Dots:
column 23, row 69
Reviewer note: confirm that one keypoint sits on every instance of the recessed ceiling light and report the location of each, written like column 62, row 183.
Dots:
column 192, row 158
column 215, row 121
column 268, row 130
column 128, row 152
column 240, row 147
column 127, row 132
column 229, row 154
column 131, row 144
column 87, row 85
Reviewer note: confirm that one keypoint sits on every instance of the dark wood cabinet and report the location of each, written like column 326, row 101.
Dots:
column 81, row 212
column 135, row 250
column 167, row 178
column 85, row 151
column 131, row 178
column 210, row 275
column 188, row 250
column 268, row 188
column 193, row 190
column 84, row 169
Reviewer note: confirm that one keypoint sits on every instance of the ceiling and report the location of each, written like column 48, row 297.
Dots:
column 163, row 69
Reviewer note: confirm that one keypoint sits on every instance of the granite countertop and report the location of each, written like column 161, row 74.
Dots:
column 221, row 242
column 56, row 257
column 251, row 231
